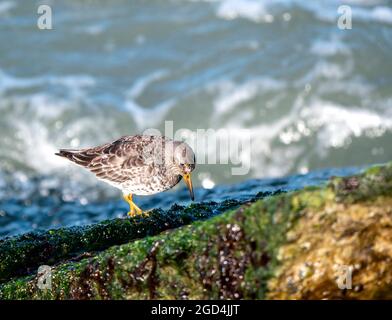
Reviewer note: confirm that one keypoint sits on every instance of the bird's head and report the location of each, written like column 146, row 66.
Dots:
column 184, row 163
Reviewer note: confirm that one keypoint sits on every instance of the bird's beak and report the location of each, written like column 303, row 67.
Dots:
column 188, row 182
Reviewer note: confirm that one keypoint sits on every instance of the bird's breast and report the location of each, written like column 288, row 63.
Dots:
column 152, row 183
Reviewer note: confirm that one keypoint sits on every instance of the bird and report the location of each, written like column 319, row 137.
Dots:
column 138, row 165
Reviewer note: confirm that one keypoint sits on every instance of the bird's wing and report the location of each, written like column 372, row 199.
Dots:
column 120, row 160
column 114, row 168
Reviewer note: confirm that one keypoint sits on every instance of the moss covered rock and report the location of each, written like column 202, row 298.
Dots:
column 23, row 254
column 328, row 242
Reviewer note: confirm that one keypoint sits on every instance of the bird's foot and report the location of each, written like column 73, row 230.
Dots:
column 134, row 209
column 143, row 214
column 140, row 213
column 131, row 214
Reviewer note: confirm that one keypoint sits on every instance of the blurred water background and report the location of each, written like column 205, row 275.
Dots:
column 311, row 95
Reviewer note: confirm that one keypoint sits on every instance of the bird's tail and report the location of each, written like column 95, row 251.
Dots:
column 79, row 157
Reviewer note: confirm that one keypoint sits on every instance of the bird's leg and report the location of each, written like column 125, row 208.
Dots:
column 133, row 208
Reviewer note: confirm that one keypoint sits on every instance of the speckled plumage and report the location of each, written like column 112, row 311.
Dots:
column 140, row 164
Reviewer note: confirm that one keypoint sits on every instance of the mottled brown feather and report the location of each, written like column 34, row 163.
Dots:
column 118, row 160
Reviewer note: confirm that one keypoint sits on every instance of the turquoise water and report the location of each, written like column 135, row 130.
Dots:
column 309, row 95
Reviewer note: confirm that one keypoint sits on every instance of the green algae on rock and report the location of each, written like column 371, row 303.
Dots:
column 293, row 245
column 21, row 255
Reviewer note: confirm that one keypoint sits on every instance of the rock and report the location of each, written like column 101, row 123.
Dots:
column 23, row 254
column 330, row 242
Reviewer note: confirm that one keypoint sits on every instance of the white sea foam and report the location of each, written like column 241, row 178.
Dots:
column 94, row 29
column 275, row 144
column 146, row 117
column 332, row 125
column 379, row 14
column 8, row 82
column 33, row 113
column 364, row 2
column 356, row 87
column 266, row 10
column 231, row 95
column 72, row 82
column 6, row 6
column 247, row 9
column 38, row 147
column 361, row 10
column 142, row 83
column 33, row 143
column 261, row 155
column 325, row 70
column 336, row 126
column 330, row 47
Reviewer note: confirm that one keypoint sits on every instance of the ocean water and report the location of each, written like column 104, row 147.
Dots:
column 280, row 74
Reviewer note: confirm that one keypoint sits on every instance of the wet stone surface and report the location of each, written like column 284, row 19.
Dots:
column 286, row 245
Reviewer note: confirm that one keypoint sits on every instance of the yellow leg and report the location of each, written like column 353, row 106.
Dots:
column 133, row 208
